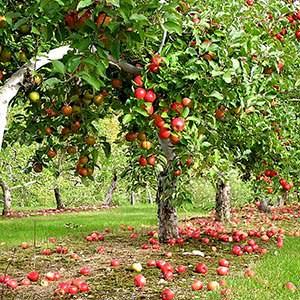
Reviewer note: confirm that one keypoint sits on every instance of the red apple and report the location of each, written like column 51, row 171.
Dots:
column 24, row 245
column 223, row 263
column 33, row 276
column 222, row 271
column 85, row 271
column 151, row 263
column 291, row 286
column 197, row 285
column 201, row 268
column 73, row 290
column 181, row 269
column 139, row 281
column 84, row 287
column 164, row 133
column 50, row 276
column 150, row 96
column 186, row 101
column 249, row 273
column 25, row 282
column 138, row 80
column 167, row 294
column 140, row 93
column 178, row 124
column 12, row 283
column 114, row 263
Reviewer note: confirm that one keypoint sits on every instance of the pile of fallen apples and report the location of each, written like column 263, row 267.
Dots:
column 205, row 231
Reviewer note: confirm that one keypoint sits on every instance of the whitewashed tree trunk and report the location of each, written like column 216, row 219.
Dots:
column 3, row 114
column 6, row 198
column 108, row 198
column 11, row 87
column 132, row 198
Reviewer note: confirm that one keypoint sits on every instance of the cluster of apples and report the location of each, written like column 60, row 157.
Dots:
column 71, row 288
column 167, row 129
column 293, row 18
column 95, row 236
column 268, row 176
column 168, row 274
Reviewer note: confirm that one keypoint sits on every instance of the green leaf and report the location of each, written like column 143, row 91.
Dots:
column 227, row 76
column 92, row 80
column 95, row 155
column 115, row 49
column 139, row 18
column 114, row 2
column 73, row 63
column 217, row 95
column 127, row 118
column 192, row 76
column 141, row 111
column 84, row 3
column 235, row 63
column 58, row 67
column 107, row 149
column 172, row 27
column 215, row 73
column 60, row 2
column 185, row 112
column 51, row 82
column 206, row 144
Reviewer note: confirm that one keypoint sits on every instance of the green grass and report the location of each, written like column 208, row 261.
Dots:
column 16, row 230
column 272, row 272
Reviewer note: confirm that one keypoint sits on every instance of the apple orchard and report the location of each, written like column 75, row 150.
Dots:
column 196, row 86
column 199, row 88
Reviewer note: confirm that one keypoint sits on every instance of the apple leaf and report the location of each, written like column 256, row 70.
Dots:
column 172, row 27
column 141, row 111
column 114, row 2
column 217, row 95
column 227, row 76
column 127, row 118
column 84, row 3
column 58, row 67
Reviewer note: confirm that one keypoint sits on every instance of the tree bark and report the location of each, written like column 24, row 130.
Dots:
column 223, row 196
column 132, row 198
column 109, row 195
column 6, row 198
column 58, row 199
column 167, row 213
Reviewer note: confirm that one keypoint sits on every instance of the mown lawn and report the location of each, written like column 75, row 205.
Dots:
column 16, row 230
column 272, row 272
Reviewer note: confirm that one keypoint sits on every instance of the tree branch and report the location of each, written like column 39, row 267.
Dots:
column 10, row 89
column 125, row 66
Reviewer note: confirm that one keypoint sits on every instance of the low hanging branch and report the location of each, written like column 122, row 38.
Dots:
column 10, row 89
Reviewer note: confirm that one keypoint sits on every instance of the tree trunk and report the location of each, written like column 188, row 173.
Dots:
column 223, row 201
column 167, row 214
column 6, row 198
column 149, row 196
column 59, row 203
column 109, row 195
column 132, row 198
